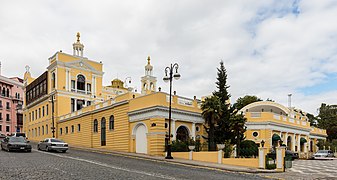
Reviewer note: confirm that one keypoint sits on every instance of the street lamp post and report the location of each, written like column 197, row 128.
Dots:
column 167, row 78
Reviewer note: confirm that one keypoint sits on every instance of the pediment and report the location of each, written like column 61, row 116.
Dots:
column 80, row 64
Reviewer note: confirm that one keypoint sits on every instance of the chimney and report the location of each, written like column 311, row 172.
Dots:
column 289, row 100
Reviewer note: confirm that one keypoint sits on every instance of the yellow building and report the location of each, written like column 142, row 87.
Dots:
column 88, row 114
column 273, row 122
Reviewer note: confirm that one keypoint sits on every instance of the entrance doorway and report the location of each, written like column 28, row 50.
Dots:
column 182, row 134
column 141, row 139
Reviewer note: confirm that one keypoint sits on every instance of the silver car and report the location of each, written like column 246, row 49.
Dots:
column 52, row 144
column 324, row 154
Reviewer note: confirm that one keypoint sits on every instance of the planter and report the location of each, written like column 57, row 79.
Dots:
column 191, row 148
column 220, row 146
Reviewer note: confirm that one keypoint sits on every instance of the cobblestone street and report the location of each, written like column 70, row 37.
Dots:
column 76, row 164
column 310, row 169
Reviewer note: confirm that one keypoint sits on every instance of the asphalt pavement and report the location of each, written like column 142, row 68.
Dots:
column 84, row 164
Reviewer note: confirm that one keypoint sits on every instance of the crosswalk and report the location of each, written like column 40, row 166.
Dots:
column 312, row 169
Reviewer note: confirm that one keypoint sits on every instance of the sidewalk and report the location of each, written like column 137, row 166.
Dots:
column 183, row 161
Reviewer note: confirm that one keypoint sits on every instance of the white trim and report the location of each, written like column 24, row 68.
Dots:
column 162, row 112
column 277, row 127
column 136, row 126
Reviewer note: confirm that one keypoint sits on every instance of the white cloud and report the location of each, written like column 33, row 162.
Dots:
column 268, row 50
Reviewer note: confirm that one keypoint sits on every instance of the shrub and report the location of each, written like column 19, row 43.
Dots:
column 248, row 148
column 179, row 146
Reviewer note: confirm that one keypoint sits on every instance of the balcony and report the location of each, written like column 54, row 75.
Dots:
column 270, row 116
column 80, row 91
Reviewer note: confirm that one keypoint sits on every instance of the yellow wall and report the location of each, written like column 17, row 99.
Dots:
column 247, row 162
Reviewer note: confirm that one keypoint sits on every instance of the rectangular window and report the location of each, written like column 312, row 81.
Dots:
column 7, row 105
column 46, row 129
column 0, row 116
column 47, row 110
column 0, row 104
column 78, row 127
column 60, row 131
column 67, row 130
column 39, row 112
column 7, row 117
column 73, row 85
column 72, row 105
column 0, row 127
column 33, row 115
column 42, row 130
column 36, row 114
column 7, row 128
column 42, row 111
column 72, row 128
column 88, row 103
column 39, row 131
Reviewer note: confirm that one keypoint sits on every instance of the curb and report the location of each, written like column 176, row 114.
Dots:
column 182, row 161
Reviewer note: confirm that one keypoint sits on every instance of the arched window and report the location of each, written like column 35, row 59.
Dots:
column 80, row 82
column 95, row 125
column 3, row 91
column 53, row 80
column 7, row 92
column 112, row 122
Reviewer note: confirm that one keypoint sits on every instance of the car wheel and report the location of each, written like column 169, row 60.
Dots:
column 47, row 148
column 29, row 150
column 64, row 151
column 38, row 147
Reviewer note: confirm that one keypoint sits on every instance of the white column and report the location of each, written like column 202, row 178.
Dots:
column 299, row 143
column 293, row 142
column 193, row 131
column 285, row 141
column 67, row 80
column 173, row 129
column 75, row 101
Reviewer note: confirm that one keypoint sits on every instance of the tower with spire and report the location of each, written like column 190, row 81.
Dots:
column 78, row 47
column 148, row 81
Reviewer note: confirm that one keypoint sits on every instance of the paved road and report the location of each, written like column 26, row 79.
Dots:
column 310, row 169
column 78, row 164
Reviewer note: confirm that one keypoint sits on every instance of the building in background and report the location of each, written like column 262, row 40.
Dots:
column 11, row 101
column 274, row 123
column 88, row 114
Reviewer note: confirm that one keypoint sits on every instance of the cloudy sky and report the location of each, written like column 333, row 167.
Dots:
column 270, row 48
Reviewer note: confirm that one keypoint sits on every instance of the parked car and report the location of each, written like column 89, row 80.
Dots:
column 324, row 154
column 11, row 143
column 2, row 136
column 19, row 134
column 52, row 144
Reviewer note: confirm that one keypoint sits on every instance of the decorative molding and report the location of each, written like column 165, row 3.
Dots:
column 277, row 127
column 162, row 112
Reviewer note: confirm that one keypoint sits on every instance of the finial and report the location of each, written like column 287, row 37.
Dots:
column 27, row 68
column 148, row 60
column 78, row 36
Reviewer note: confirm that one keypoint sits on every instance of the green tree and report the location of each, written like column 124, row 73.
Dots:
column 327, row 119
column 238, row 128
column 312, row 119
column 211, row 112
column 222, row 131
column 244, row 101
